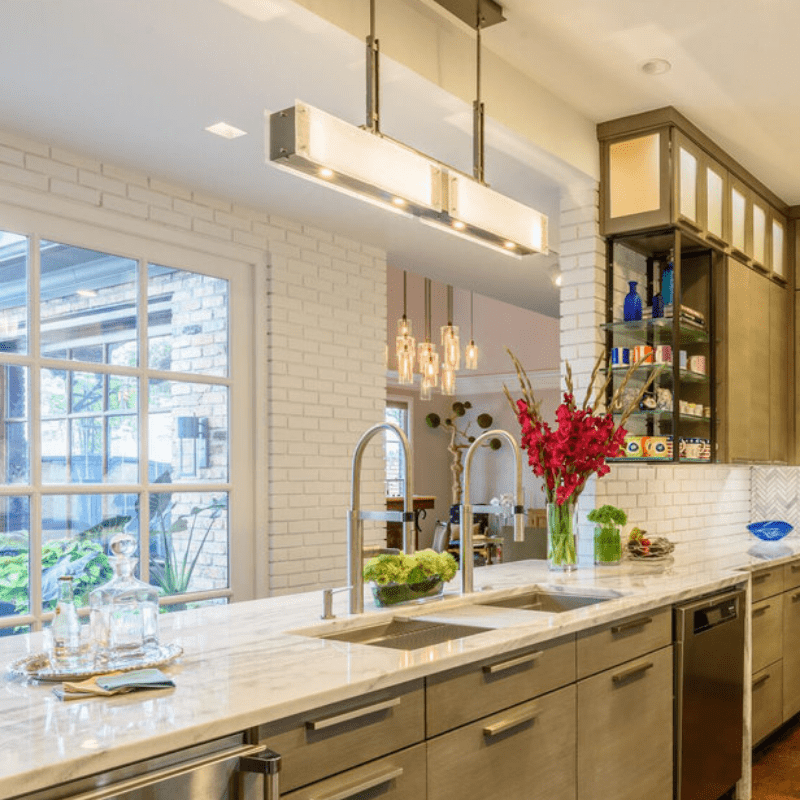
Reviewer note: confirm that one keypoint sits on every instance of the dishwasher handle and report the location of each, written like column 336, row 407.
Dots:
column 716, row 612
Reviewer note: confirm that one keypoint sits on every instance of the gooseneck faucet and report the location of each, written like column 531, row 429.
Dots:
column 356, row 517
column 467, row 510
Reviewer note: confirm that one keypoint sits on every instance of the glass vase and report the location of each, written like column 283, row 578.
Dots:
column 607, row 545
column 562, row 551
column 632, row 308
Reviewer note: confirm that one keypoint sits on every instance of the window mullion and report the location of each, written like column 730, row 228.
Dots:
column 144, row 441
column 35, row 412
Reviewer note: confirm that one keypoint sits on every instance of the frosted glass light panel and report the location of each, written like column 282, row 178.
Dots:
column 778, row 256
column 189, row 542
column 738, row 219
column 13, row 293
column 90, row 427
column 687, row 201
column 759, row 234
column 635, row 175
column 88, row 305
column 77, row 528
column 14, row 557
column 15, row 433
column 187, row 321
column 188, row 432
column 715, row 202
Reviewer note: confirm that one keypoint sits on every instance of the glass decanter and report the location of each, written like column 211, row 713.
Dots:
column 124, row 612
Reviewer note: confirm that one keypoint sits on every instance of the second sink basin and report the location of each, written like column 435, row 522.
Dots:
column 405, row 634
column 548, row 602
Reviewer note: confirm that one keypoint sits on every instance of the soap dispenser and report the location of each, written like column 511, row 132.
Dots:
column 124, row 612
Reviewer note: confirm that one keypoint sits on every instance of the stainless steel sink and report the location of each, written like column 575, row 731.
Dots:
column 404, row 634
column 548, row 602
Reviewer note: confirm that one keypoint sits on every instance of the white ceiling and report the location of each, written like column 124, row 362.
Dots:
column 134, row 82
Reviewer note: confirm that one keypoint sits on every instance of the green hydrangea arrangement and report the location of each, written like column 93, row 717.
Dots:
column 607, row 543
column 415, row 568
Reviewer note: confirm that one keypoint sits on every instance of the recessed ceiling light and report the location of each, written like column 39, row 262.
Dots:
column 459, row 225
column 225, row 130
column 509, row 245
column 656, row 66
column 398, row 201
column 326, row 173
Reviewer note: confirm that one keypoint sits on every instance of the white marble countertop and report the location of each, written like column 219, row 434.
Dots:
column 243, row 666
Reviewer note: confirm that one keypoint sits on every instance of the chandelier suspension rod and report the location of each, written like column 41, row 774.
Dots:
column 478, row 158
column 449, row 305
column 373, row 75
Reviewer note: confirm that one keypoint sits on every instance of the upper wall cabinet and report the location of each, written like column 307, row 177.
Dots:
column 658, row 170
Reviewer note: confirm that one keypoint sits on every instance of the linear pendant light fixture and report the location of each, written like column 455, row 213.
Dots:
column 365, row 163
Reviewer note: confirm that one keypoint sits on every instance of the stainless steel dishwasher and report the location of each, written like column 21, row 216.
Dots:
column 709, row 695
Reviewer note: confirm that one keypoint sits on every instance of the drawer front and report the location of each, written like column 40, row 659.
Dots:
column 791, row 575
column 625, row 730
column 767, row 700
column 767, row 618
column 326, row 741
column 616, row 642
column 527, row 751
column 400, row 776
column 791, row 653
column 767, row 582
column 456, row 698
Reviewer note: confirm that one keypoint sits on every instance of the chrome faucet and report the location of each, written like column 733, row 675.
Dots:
column 467, row 510
column 356, row 517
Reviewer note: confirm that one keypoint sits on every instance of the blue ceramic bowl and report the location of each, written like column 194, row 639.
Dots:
column 770, row 530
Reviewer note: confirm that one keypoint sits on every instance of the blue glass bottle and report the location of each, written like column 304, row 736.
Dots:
column 658, row 306
column 667, row 280
column 632, row 308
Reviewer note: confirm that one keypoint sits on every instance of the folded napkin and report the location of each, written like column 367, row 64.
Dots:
column 114, row 683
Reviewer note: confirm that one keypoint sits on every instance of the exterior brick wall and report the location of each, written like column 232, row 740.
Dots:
column 325, row 325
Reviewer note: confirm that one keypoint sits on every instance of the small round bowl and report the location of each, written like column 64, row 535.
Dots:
column 770, row 530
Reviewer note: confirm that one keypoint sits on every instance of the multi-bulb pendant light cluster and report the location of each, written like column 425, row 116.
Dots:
column 428, row 359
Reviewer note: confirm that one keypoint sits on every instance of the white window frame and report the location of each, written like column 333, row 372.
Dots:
column 247, row 576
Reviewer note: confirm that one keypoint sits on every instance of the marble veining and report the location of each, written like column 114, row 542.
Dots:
column 254, row 662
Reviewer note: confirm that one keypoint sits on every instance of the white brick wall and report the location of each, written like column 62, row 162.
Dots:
column 324, row 382
column 687, row 503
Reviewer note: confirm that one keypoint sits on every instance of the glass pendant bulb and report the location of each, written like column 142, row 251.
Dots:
column 448, row 380
column 451, row 347
column 471, row 355
column 406, row 352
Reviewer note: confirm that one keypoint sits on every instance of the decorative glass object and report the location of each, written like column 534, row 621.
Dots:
column 66, row 628
column 632, row 309
column 658, row 306
column 770, row 530
column 607, row 545
column 124, row 612
column 562, row 551
column 668, row 280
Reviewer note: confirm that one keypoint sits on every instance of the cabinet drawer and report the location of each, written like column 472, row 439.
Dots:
column 459, row 697
column 767, row 700
column 791, row 653
column 332, row 739
column 791, row 575
column 767, row 616
column 400, row 776
column 620, row 641
column 526, row 751
column 625, row 730
column 767, row 582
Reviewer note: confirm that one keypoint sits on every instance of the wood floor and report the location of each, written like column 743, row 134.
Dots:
column 776, row 766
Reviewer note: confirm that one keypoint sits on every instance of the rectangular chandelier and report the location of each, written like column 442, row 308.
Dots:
column 318, row 146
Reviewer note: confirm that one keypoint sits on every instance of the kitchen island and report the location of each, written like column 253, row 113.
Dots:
column 245, row 665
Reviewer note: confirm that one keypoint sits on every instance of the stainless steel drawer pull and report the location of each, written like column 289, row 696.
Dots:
column 762, row 577
column 112, row 790
column 509, row 723
column 761, row 609
column 502, row 666
column 363, row 785
column 795, row 597
column 629, row 673
column 338, row 719
column 759, row 681
column 629, row 626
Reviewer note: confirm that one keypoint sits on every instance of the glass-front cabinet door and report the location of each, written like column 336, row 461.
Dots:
column 778, row 250
column 741, row 224
column 690, row 183
column 716, row 180
column 760, row 247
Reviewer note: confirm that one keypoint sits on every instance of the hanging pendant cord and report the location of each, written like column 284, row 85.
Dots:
column 471, row 319
column 405, row 277
column 477, row 107
column 450, row 305
column 427, row 309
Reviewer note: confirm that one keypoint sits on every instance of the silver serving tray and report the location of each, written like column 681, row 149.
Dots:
column 38, row 667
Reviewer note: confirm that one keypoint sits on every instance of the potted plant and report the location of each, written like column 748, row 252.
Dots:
column 399, row 578
column 607, row 540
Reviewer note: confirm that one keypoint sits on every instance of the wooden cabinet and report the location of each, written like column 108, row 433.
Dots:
column 767, row 699
column 625, row 730
column 527, row 751
column 755, row 385
column 779, row 246
column 767, row 616
column 791, row 653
